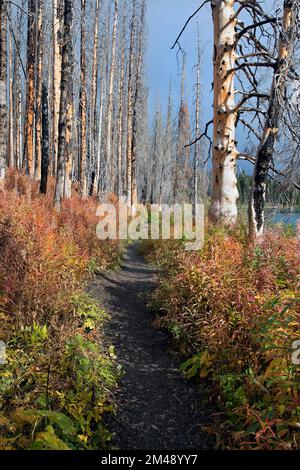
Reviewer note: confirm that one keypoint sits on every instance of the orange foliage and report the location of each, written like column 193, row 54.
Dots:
column 45, row 256
column 239, row 304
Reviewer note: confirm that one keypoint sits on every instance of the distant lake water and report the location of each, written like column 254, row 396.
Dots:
column 274, row 216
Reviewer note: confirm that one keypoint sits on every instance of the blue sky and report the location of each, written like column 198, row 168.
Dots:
column 165, row 20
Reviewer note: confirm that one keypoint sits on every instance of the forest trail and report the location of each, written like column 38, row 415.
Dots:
column 157, row 408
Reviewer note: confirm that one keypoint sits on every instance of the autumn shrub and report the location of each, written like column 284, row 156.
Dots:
column 234, row 309
column 55, row 385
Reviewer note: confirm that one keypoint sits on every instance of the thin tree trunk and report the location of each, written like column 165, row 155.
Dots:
column 93, row 97
column 45, row 141
column 30, row 91
column 225, row 194
column 11, row 161
column 197, row 130
column 3, row 83
column 69, row 152
column 134, row 195
column 39, row 87
column 129, row 107
column 109, row 140
column 57, row 11
column 121, row 110
column 83, row 105
column 270, row 133
column 99, row 182
column 17, row 95
column 65, row 103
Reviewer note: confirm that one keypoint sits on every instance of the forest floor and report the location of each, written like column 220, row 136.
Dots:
column 157, row 408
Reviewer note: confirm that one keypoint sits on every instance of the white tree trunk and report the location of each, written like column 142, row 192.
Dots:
column 56, row 80
column 109, row 141
column 225, row 194
column 3, row 101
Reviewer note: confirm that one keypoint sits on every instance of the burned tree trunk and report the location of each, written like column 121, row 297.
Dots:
column 57, row 11
column 11, row 160
column 69, row 152
column 30, row 95
column 134, row 195
column 129, row 107
column 45, row 141
column 270, row 133
column 93, row 101
column 109, row 141
column 225, row 194
column 39, row 86
column 3, row 102
column 120, row 107
column 65, row 103
column 83, row 105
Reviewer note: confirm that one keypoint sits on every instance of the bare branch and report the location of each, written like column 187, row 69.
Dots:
column 187, row 22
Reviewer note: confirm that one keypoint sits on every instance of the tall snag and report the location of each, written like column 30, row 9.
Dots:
column 83, row 105
column 129, row 105
column 138, row 86
column 3, row 101
column 225, row 193
column 65, row 102
column 109, row 139
column 30, row 89
column 269, row 138
column 39, row 86
column 45, row 141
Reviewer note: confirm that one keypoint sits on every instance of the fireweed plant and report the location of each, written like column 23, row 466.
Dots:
column 234, row 311
column 56, row 383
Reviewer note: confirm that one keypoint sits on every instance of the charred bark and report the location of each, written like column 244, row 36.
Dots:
column 267, row 145
column 65, row 103
column 45, row 141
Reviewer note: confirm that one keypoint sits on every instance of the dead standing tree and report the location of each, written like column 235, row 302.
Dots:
column 65, row 103
column 138, row 90
column 3, row 102
column 30, row 89
column 83, row 105
column 264, row 159
column 241, row 50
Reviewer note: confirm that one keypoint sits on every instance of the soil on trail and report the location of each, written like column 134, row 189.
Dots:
column 157, row 408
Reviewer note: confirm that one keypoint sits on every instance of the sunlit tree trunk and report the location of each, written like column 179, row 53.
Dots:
column 197, row 132
column 69, row 150
column 30, row 89
column 135, row 123
column 129, row 107
column 93, row 99
column 56, row 47
column 3, row 101
column 39, row 87
column 270, row 133
column 225, row 194
column 17, row 97
column 11, row 160
column 83, row 105
column 120, row 108
column 109, row 139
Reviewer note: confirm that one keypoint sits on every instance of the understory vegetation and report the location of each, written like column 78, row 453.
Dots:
column 57, row 383
column 234, row 311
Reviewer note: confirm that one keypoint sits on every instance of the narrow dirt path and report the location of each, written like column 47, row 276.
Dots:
column 157, row 408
